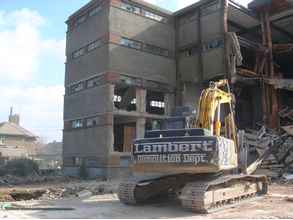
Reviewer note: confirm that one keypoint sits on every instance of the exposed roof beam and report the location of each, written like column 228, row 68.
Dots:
column 243, row 29
column 252, row 14
column 274, row 26
column 236, row 25
column 281, row 30
column 242, row 8
column 282, row 18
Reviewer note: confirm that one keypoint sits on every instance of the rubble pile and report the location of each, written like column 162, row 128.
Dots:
column 12, row 180
column 81, row 190
column 72, row 189
column 286, row 115
column 280, row 143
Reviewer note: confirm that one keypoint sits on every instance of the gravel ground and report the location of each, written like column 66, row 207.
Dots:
column 274, row 205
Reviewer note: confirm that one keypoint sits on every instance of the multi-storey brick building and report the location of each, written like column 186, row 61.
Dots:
column 129, row 63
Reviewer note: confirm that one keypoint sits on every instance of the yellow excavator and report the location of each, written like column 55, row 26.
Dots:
column 200, row 163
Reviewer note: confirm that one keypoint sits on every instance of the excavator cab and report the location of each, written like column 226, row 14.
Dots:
column 204, row 147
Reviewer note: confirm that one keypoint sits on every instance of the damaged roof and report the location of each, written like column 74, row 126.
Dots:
column 246, row 21
column 11, row 129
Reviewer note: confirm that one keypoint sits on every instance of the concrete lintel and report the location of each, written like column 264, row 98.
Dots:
column 137, row 114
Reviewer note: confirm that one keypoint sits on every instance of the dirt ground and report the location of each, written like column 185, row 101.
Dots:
column 274, row 205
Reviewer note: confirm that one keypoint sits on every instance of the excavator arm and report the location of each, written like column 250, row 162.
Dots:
column 209, row 110
column 209, row 117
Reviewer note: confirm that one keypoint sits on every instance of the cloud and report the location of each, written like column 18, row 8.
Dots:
column 22, row 46
column 40, row 108
column 24, row 58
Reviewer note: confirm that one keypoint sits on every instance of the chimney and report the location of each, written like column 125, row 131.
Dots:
column 13, row 118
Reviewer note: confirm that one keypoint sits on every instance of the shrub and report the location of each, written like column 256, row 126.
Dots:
column 83, row 173
column 22, row 167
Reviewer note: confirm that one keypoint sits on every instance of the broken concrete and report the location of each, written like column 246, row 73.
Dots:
column 274, row 205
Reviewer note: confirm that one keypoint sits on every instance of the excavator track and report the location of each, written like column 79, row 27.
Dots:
column 134, row 191
column 214, row 195
column 126, row 192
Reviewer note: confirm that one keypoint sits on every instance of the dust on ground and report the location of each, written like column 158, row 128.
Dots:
column 89, row 201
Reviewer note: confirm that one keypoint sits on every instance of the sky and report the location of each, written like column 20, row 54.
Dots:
column 32, row 42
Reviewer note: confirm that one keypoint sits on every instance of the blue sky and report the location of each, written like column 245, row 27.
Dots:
column 32, row 42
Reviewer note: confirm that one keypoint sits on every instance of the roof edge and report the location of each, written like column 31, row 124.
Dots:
column 190, row 7
column 140, row 2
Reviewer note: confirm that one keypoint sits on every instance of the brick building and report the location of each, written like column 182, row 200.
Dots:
column 129, row 63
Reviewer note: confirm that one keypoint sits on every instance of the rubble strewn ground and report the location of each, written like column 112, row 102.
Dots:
column 277, row 204
column 52, row 188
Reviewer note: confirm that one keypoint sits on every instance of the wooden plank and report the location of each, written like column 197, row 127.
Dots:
column 129, row 136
